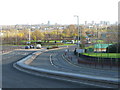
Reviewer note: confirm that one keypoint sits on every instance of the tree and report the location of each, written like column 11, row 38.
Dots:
column 37, row 35
column 115, row 48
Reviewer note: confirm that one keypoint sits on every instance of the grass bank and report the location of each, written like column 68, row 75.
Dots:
column 103, row 55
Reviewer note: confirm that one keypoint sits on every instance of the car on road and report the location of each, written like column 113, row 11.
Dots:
column 31, row 46
column 38, row 46
column 88, row 42
column 27, row 47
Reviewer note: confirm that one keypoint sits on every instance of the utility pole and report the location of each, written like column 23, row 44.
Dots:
column 29, row 35
column 1, row 38
column 16, row 34
column 79, row 34
column 29, row 32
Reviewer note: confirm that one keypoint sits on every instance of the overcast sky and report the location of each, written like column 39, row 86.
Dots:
column 57, row 11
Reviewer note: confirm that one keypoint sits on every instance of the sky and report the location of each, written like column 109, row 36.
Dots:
column 57, row 11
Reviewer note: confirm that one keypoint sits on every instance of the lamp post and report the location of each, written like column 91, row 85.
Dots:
column 29, row 35
column 29, row 32
column 79, row 34
column 16, row 34
column 1, row 34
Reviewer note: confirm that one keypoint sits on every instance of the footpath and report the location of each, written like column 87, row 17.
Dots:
column 96, row 70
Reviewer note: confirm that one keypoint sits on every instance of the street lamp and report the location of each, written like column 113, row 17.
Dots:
column 29, row 35
column 1, row 34
column 79, row 34
column 29, row 32
column 16, row 34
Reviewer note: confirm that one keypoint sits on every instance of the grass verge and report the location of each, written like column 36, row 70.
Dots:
column 103, row 55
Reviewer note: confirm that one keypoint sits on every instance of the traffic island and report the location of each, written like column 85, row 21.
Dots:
column 98, row 60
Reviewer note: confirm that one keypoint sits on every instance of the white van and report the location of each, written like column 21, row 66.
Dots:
column 38, row 46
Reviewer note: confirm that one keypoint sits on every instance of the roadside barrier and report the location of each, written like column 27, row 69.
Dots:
column 99, row 61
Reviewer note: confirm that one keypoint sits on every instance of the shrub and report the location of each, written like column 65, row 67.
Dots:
column 50, row 43
column 54, row 46
column 82, row 46
column 51, row 47
column 113, row 48
column 59, row 43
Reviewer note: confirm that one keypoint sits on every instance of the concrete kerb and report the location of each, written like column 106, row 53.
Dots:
column 24, row 63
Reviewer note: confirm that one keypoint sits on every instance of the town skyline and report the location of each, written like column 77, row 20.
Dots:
column 84, row 23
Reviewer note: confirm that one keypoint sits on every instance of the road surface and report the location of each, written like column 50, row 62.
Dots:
column 54, row 60
column 12, row 78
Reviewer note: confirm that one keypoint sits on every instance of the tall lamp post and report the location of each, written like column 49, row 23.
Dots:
column 16, row 34
column 29, row 35
column 79, row 34
column 29, row 32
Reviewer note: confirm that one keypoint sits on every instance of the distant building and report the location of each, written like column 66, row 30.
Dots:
column 90, row 27
column 1, row 34
column 48, row 23
column 93, row 22
column 116, row 23
column 108, row 23
column 85, row 22
column 102, row 22
column 101, row 47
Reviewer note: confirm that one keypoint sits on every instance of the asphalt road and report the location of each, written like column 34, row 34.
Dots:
column 54, row 60
column 12, row 78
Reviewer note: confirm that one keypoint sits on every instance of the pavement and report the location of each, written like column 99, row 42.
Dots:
column 97, row 70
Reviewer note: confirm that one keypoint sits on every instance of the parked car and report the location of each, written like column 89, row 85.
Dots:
column 89, row 42
column 27, row 47
column 38, row 46
column 31, row 46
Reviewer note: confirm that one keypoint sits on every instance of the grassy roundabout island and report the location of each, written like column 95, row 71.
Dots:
column 103, row 55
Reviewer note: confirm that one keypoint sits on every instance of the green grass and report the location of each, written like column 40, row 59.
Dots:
column 98, row 41
column 60, row 45
column 28, row 41
column 41, row 41
column 89, row 47
column 54, row 40
column 66, row 44
column 103, row 55
column 11, row 45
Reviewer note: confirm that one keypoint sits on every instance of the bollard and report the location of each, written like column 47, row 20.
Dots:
column 71, row 58
column 65, row 53
column 78, row 60
column 68, row 57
